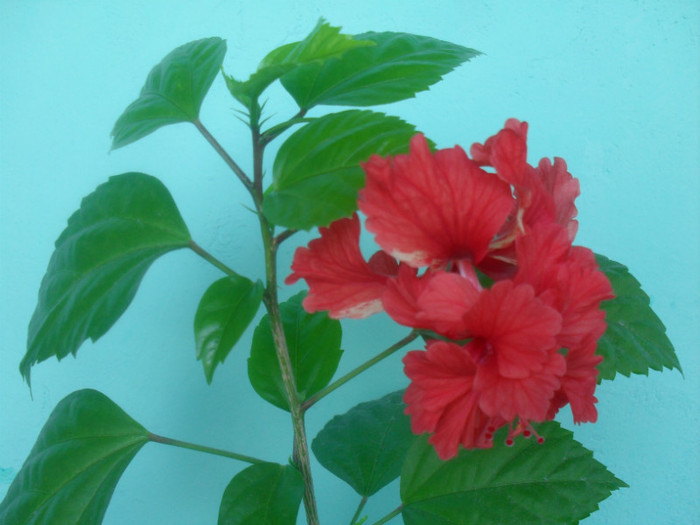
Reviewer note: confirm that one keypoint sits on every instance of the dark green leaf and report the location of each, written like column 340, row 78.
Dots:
column 313, row 341
column 99, row 261
column 366, row 446
column 225, row 311
column 397, row 67
column 635, row 339
column 173, row 92
column 323, row 43
column 317, row 171
column 557, row 482
column 263, row 494
column 75, row 464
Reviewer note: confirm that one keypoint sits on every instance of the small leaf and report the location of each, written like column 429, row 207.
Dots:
column 324, row 42
column 366, row 446
column 317, row 171
column 557, row 482
column 263, row 494
column 173, row 92
column 99, row 261
column 313, row 341
column 75, row 464
column 635, row 339
column 225, row 311
column 397, row 67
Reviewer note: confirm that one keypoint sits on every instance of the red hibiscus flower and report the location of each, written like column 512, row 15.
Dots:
column 523, row 347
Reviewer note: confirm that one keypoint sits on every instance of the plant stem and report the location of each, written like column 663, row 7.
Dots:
column 196, row 248
column 357, row 371
column 300, row 454
column 227, row 158
column 361, row 506
column 392, row 514
column 201, row 448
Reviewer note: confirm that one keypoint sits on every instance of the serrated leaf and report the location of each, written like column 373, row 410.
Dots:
column 324, row 42
column 317, row 171
column 367, row 445
column 263, row 494
column 75, row 464
column 173, row 92
column 635, row 339
column 557, row 482
column 99, row 261
column 397, row 67
column 224, row 312
column 313, row 341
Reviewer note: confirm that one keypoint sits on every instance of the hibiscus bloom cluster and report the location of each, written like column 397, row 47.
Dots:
column 476, row 252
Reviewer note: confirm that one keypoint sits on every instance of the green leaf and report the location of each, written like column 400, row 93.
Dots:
column 225, row 311
column 317, row 171
column 324, row 42
column 99, row 261
column 366, row 446
column 173, row 92
column 397, row 67
column 313, row 341
column 263, row 494
column 635, row 339
column 75, row 464
column 554, row 483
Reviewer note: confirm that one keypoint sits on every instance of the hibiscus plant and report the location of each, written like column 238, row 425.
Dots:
column 507, row 321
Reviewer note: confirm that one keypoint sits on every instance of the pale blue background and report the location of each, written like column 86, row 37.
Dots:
column 613, row 87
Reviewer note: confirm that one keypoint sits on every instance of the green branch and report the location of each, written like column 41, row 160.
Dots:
column 201, row 448
column 196, row 248
column 357, row 371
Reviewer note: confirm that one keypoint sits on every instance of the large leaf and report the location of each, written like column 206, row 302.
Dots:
column 173, row 92
column 75, row 464
column 317, row 171
column 397, row 67
column 225, row 311
column 323, row 43
column 635, row 339
column 557, row 482
column 366, row 446
column 99, row 261
column 313, row 341
column 263, row 494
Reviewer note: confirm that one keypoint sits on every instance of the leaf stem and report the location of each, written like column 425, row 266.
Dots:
column 286, row 234
column 392, row 514
column 275, row 131
column 357, row 371
column 196, row 248
column 227, row 158
column 201, row 448
column 361, row 506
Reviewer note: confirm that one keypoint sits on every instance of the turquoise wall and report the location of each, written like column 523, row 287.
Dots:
column 613, row 87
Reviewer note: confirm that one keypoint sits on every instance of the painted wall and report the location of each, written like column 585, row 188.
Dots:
column 613, row 87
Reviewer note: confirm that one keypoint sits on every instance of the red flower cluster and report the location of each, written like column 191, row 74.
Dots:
column 478, row 251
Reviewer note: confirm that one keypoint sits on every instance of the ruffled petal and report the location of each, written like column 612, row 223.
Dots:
column 441, row 400
column 339, row 278
column 446, row 300
column 426, row 209
column 515, row 327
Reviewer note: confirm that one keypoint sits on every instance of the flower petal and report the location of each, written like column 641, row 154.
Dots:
column 339, row 278
column 515, row 326
column 425, row 209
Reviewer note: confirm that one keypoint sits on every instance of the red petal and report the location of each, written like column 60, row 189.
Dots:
column 519, row 329
column 425, row 209
column 447, row 298
column 339, row 278
column 527, row 398
column 440, row 398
